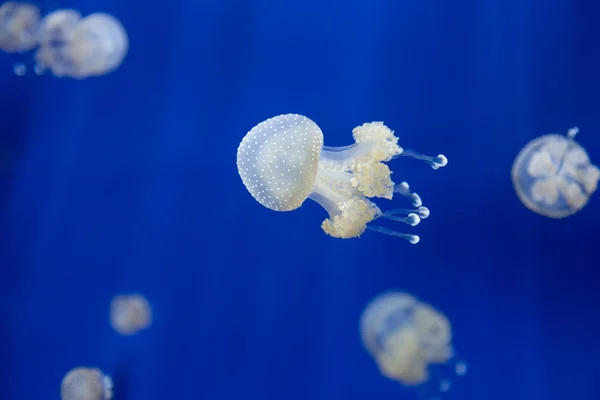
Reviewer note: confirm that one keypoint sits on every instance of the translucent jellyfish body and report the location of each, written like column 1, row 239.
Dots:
column 130, row 313
column 19, row 24
column 406, row 338
column 282, row 162
column 84, row 383
column 553, row 175
column 77, row 47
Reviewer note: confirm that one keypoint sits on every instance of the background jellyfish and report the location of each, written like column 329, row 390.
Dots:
column 84, row 383
column 282, row 162
column 406, row 338
column 130, row 313
column 68, row 45
column 77, row 47
column 553, row 175
column 19, row 23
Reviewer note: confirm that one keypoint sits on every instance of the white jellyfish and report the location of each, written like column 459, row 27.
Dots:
column 406, row 338
column 77, row 47
column 130, row 313
column 83, row 383
column 19, row 24
column 553, row 175
column 282, row 162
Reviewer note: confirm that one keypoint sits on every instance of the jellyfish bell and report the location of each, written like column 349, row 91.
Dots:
column 130, row 313
column 278, row 161
column 54, row 37
column 19, row 24
column 83, row 383
column 410, row 342
column 553, row 176
column 282, row 162
column 99, row 44
column 78, row 47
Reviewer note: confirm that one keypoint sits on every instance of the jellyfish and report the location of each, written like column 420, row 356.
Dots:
column 19, row 24
column 77, row 47
column 282, row 162
column 407, row 339
column 553, row 175
column 83, row 383
column 130, row 313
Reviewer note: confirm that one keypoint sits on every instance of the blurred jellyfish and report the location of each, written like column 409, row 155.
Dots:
column 282, row 162
column 130, row 313
column 77, row 47
column 20, row 69
column 553, row 175
column 19, row 23
column 83, row 383
column 407, row 338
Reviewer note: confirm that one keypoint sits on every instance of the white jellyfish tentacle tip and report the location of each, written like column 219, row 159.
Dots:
column 571, row 133
column 442, row 160
column 403, row 188
column 108, row 387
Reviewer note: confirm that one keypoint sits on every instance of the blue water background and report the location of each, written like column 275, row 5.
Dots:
column 128, row 183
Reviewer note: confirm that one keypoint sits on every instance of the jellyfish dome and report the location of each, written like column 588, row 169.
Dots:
column 84, row 383
column 553, row 175
column 282, row 162
column 81, row 47
column 19, row 24
column 405, row 336
column 130, row 313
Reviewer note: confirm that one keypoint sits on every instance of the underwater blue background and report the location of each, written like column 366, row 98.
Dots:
column 128, row 183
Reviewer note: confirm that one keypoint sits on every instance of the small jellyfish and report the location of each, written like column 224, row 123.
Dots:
column 80, row 47
column 553, row 175
column 19, row 24
column 282, row 162
column 407, row 338
column 130, row 313
column 84, row 383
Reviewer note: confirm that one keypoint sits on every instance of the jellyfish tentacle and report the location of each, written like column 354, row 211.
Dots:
column 422, row 212
column 413, row 239
column 411, row 219
column 436, row 162
column 403, row 188
column 571, row 133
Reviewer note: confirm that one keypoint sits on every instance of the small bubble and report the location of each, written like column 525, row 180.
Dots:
column 20, row 69
column 39, row 69
column 460, row 368
column 445, row 386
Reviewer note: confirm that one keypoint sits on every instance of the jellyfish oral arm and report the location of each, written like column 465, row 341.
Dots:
column 346, row 156
column 346, row 177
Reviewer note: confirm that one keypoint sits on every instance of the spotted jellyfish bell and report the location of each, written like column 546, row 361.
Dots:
column 282, row 162
column 553, row 176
